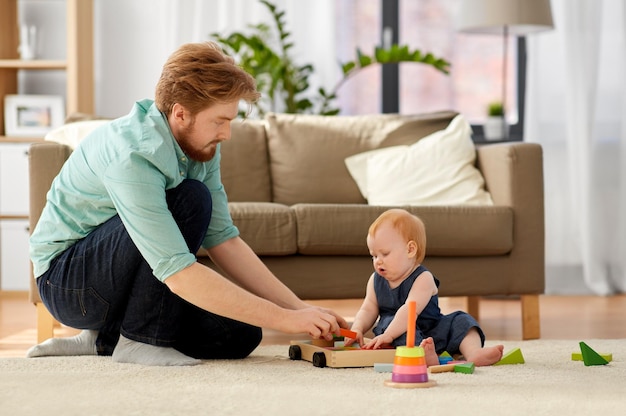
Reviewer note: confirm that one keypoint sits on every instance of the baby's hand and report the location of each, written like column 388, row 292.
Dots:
column 347, row 341
column 378, row 342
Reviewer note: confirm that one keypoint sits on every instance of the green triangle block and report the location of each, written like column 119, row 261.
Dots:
column 445, row 354
column 590, row 357
column 466, row 368
column 512, row 357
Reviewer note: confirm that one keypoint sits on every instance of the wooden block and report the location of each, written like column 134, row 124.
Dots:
column 347, row 333
column 590, row 357
column 465, row 368
column 442, row 368
column 578, row 356
column 445, row 360
column 383, row 367
column 512, row 357
column 323, row 342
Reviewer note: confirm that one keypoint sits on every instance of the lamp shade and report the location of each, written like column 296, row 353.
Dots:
column 520, row 17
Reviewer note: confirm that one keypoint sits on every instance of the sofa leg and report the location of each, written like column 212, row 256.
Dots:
column 45, row 323
column 473, row 303
column 530, row 317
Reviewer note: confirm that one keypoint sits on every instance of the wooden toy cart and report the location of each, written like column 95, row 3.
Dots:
column 339, row 357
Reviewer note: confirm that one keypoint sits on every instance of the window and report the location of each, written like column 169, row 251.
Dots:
column 475, row 77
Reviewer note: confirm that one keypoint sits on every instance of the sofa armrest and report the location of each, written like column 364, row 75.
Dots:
column 45, row 160
column 513, row 175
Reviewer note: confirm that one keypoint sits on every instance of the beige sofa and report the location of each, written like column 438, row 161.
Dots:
column 299, row 208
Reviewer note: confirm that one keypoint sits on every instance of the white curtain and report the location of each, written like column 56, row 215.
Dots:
column 134, row 38
column 576, row 108
column 310, row 23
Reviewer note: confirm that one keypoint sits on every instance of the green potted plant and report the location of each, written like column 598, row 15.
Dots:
column 495, row 127
column 284, row 84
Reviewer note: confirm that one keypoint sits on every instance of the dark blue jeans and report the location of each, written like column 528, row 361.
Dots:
column 103, row 283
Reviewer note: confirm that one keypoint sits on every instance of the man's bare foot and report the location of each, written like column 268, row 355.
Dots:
column 429, row 351
column 486, row 355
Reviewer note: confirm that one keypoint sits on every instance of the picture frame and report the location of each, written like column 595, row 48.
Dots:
column 32, row 115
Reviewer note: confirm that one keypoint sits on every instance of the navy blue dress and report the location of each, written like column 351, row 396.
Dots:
column 447, row 331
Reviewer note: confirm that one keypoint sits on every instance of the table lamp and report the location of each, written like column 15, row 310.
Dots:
column 505, row 17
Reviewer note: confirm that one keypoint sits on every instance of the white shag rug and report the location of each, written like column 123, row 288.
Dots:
column 269, row 383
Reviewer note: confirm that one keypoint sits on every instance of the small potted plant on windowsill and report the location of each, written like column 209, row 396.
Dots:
column 495, row 127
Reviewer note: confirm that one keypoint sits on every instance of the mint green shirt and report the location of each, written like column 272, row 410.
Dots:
column 124, row 167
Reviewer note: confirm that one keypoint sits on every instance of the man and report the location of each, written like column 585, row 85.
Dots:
column 114, row 249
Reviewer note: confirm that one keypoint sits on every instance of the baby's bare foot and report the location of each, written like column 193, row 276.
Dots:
column 486, row 356
column 429, row 351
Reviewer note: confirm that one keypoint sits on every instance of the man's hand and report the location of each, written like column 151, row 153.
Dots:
column 340, row 320
column 314, row 321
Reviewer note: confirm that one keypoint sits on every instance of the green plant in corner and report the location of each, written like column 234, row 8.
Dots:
column 284, row 84
column 278, row 77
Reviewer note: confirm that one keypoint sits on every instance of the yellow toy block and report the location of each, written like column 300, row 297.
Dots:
column 442, row 368
column 578, row 356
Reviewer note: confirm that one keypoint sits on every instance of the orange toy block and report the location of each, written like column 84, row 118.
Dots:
column 347, row 333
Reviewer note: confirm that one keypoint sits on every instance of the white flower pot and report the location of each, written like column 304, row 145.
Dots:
column 495, row 128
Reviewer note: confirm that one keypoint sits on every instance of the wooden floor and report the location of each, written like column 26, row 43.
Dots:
column 562, row 317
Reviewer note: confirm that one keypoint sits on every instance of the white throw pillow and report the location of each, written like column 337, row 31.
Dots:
column 436, row 170
column 71, row 134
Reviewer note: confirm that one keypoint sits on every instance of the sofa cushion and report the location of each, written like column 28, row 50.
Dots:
column 72, row 134
column 436, row 170
column 268, row 228
column 462, row 230
column 307, row 152
column 245, row 163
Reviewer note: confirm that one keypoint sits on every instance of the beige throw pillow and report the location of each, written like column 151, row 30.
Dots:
column 437, row 170
column 307, row 152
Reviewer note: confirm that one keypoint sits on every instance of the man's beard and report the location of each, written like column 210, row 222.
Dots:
column 199, row 155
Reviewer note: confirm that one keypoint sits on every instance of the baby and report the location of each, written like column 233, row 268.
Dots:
column 397, row 243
